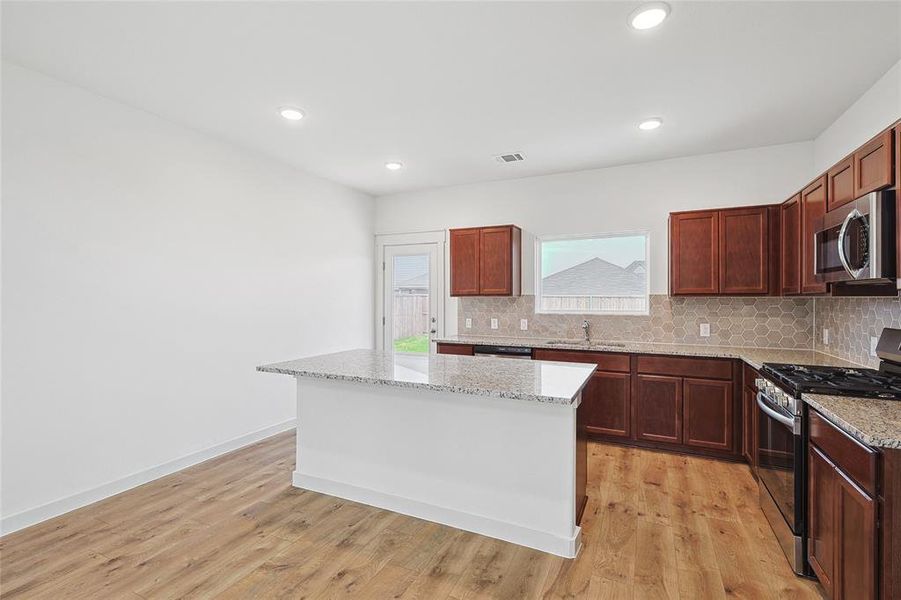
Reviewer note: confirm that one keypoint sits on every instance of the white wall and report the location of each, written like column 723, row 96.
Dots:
column 876, row 109
column 624, row 198
column 147, row 269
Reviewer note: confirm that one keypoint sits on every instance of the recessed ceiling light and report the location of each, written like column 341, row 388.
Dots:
column 394, row 165
column 650, row 15
column 292, row 113
column 649, row 124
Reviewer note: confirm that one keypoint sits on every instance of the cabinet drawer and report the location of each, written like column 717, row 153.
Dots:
column 709, row 368
column 461, row 349
column 606, row 361
column 849, row 455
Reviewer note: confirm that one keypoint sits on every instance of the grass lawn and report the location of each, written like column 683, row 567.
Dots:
column 415, row 343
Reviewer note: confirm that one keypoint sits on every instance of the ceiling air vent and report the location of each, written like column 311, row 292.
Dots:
column 509, row 158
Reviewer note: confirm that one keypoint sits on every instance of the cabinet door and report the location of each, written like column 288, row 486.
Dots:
column 694, row 253
column 707, row 418
column 873, row 164
column 813, row 207
column 496, row 261
column 657, row 407
column 743, row 254
column 821, row 535
column 791, row 246
column 841, row 184
column 855, row 533
column 898, row 195
column 464, row 262
column 608, row 404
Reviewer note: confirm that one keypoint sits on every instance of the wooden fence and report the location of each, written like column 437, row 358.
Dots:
column 632, row 304
column 411, row 315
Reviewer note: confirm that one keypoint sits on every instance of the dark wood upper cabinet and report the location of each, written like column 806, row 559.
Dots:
column 822, row 484
column 707, row 420
column 813, row 207
column 694, row 253
column 841, row 184
column 486, row 261
column 790, row 257
column 497, row 261
column 464, row 262
column 855, row 537
column 657, row 408
column 743, row 251
column 873, row 164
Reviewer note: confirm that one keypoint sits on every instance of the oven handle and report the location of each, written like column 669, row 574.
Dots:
column 787, row 421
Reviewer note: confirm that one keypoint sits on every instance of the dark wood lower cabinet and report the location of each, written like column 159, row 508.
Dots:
column 855, row 532
column 707, row 418
column 842, row 537
column 607, row 402
column 657, row 408
column 822, row 481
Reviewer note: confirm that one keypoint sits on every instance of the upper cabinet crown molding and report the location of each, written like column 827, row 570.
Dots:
column 486, row 261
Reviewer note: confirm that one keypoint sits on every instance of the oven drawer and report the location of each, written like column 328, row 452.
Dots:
column 849, row 455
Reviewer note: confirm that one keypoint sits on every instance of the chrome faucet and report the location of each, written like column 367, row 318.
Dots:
column 586, row 326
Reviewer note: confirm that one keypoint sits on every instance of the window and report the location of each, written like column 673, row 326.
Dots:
column 605, row 274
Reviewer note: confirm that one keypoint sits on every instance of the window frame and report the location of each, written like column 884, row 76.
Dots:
column 539, row 240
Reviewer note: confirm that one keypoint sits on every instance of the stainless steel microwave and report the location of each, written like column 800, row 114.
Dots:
column 857, row 241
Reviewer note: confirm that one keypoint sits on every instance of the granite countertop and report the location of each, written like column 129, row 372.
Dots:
column 531, row 380
column 753, row 356
column 873, row 421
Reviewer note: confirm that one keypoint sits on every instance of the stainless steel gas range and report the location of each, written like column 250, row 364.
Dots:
column 782, row 434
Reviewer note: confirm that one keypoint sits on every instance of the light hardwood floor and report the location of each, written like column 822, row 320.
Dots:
column 656, row 526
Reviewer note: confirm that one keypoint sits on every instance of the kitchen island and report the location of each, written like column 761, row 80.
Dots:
column 495, row 446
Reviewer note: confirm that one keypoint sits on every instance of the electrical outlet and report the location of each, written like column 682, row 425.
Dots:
column 705, row 330
column 493, row 323
column 825, row 336
column 873, row 341
column 468, row 323
column 524, row 324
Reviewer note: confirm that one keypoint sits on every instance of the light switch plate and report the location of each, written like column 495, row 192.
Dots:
column 825, row 336
column 493, row 323
column 468, row 323
column 524, row 324
column 873, row 342
column 705, row 330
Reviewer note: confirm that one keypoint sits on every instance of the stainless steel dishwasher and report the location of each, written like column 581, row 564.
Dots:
column 503, row 352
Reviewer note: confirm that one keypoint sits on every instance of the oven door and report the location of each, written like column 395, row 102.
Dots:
column 779, row 457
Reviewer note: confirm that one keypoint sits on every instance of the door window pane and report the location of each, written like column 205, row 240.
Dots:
column 410, row 304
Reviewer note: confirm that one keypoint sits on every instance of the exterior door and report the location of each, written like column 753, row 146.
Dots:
column 412, row 288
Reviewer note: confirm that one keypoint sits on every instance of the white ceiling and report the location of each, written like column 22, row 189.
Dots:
column 444, row 86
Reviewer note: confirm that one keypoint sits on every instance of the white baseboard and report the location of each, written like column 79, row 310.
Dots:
column 567, row 547
column 55, row 508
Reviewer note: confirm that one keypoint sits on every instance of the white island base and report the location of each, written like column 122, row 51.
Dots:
column 506, row 468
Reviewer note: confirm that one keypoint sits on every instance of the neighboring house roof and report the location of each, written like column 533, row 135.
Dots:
column 595, row 277
column 411, row 271
column 637, row 266
column 417, row 281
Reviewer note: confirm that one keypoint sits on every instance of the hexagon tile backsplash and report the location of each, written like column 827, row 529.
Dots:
column 851, row 323
column 756, row 322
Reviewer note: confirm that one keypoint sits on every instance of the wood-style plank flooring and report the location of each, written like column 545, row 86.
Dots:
column 656, row 526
